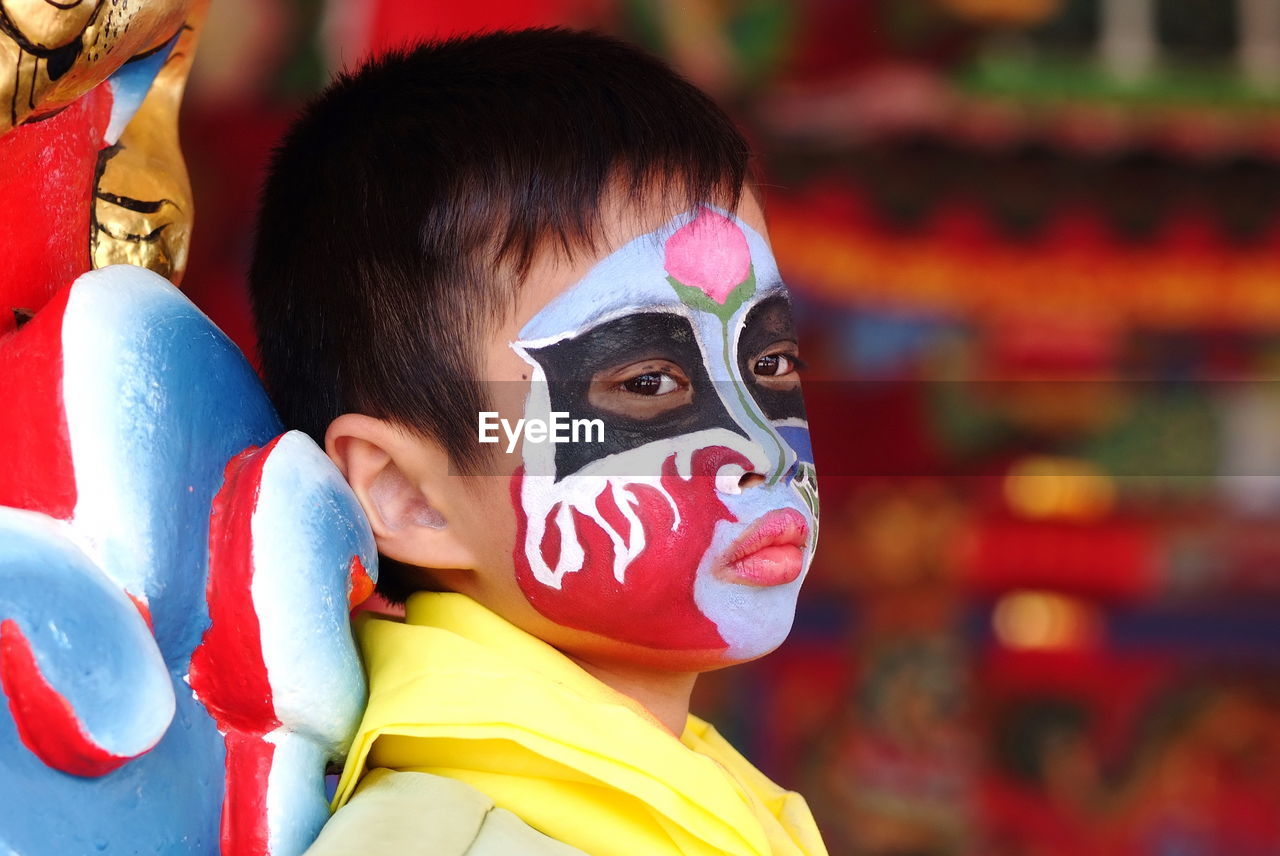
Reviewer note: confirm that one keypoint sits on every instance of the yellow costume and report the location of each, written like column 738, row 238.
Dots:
column 458, row 692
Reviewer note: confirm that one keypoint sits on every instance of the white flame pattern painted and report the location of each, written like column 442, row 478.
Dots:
column 541, row 495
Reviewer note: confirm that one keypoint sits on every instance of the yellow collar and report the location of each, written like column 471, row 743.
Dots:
column 458, row 691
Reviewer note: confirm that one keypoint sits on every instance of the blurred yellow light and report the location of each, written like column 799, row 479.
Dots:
column 1044, row 620
column 1045, row 488
column 1016, row 12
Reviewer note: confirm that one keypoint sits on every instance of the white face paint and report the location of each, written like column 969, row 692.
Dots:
column 692, row 525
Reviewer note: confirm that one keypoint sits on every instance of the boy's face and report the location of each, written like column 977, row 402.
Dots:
column 677, row 527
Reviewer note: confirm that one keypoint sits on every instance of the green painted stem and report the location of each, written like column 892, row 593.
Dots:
column 746, row 406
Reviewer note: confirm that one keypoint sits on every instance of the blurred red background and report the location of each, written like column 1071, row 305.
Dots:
column 1035, row 246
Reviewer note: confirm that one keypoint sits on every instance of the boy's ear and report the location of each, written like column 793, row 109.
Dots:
column 399, row 480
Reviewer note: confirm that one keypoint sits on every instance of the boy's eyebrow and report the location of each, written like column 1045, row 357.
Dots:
column 610, row 312
column 605, row 314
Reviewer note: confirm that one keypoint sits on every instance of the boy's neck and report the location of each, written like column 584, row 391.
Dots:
column 664, row 694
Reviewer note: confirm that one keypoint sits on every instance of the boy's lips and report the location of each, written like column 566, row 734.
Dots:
column 769, row 553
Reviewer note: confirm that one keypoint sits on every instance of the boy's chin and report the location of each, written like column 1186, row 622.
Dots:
column 705, row 660
column 748, row 636
column 752, row 620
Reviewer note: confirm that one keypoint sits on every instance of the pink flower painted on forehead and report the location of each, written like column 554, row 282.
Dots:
column 709, row 254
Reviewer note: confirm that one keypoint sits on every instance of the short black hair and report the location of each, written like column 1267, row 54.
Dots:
column 409, row 199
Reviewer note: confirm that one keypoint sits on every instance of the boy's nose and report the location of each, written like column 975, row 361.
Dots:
column 736, row 475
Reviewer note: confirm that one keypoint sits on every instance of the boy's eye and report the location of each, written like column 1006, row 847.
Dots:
column 779, row 366
column 643, row 390
column 651, row 383
column 775, row 365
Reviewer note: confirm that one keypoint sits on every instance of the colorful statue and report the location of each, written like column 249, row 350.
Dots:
column 175, row 572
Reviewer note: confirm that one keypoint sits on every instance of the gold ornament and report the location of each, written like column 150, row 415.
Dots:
column 53, row 53
column 142, row 211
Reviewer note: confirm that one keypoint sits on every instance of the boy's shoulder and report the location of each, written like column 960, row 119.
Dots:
column 395, row 812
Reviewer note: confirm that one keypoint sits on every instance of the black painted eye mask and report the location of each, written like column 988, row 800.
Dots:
column 571, row 364
column 768, row 323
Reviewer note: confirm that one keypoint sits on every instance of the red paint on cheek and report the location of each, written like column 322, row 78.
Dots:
column 46, row 723
column 607, row 506
column 550, row 537
column 654, row 606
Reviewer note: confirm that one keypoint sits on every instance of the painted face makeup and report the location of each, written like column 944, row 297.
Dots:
column 692, row 524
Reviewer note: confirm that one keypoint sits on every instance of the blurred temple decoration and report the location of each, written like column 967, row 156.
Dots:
column 1036, row 247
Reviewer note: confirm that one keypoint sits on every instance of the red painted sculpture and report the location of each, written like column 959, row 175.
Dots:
column 175, row 572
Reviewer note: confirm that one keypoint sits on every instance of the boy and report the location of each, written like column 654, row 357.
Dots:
column 560, row 215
